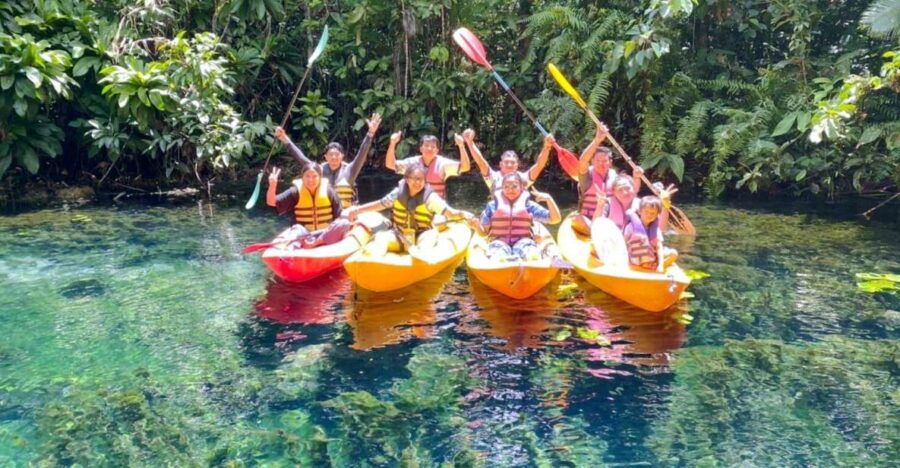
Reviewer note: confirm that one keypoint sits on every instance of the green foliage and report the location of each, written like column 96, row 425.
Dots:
column 833, row 402
column 32, row 75
column 421, row 408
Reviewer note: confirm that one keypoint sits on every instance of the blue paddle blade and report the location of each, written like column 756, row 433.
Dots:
column 252, row 201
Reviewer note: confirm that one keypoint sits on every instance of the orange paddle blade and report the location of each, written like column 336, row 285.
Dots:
column 567, row 160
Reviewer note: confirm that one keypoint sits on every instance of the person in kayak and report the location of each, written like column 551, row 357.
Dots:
column 437, row 168
column 509, row 220
column 644, row 237
column 316, row 206
column 596, row 178
column 341, row 176
column 509, row 163
column 414, row 208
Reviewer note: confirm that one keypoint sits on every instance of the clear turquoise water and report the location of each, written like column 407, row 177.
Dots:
column 141, row 336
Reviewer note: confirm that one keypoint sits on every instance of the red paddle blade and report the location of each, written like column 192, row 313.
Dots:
column 567, row 160
column 256, row 247
column 469, row 43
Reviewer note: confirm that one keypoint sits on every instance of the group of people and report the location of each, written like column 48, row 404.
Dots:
column 325, row 201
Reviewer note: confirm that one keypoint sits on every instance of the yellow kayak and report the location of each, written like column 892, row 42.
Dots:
column 647, row 290
column 392, row 271
column 516, row 279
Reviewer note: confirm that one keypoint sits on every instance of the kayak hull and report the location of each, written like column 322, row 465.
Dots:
column 518, row 280
column 650, row 291
column 393, row 271
column 299, row 265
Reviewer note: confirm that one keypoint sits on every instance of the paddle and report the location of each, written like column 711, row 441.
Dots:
column 323, row 41
column 679, row 219
column 473, row 48
column 256, row 247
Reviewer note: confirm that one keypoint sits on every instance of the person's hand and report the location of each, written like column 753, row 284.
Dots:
column 274, row 176
column 351, row 213
column 395, row 137
column 373, row 123
column 458, row 138
column 474, row 223
column 541, row 196
column 549, row 140
column 638, row 172
column 602, row 132
column 469, row 135
column 665, row 195
column 281, row 135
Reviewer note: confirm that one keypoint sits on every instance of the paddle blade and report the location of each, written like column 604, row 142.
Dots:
column 471, row 45
column 323, row 41
column 565, row 85
column 567, row 160
column 252, row 201
column 257, row 247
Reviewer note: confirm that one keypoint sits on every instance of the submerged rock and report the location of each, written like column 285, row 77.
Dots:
column 83, row 288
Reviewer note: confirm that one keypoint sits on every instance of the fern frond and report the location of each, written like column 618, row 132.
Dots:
column 690, row 126
column 882, row 19
column 599, row 92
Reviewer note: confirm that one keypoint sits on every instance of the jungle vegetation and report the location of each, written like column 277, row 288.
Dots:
column 773, row 96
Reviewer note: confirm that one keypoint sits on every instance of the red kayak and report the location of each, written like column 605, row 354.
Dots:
column 298, row 265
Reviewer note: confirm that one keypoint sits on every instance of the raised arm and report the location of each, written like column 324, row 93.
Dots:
column 360, row 160
column 535, row 171
column 272, row 191
column 555, row 216
column 291, row 147
column 390, row 159
column 483, row 166
column 584, row 162
column 464, row 164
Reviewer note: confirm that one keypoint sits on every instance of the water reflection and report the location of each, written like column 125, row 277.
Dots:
column 381, row 319
column 310, row 303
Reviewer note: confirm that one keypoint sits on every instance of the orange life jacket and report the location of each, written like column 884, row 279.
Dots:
column 511, row 221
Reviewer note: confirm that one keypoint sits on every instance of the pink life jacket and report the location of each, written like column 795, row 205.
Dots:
column 618, row 213
column 434, row 176
column 511, row 222
column 642, row 242
column 598, row 183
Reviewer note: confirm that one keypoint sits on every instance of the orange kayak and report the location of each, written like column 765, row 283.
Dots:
column 298, row 265
column 647, row 290
column 516, row 279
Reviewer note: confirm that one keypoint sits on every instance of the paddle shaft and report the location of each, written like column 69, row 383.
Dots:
column 287, row 115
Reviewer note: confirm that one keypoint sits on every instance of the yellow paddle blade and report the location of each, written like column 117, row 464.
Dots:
column 565, row 85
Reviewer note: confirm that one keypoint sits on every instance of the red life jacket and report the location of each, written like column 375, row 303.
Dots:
column 598, row 184
column 434, row 176
column 511, row 222
column 642, row 242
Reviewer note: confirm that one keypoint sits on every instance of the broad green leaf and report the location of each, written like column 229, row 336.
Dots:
column 28, row 158
column 803, row 120
column 877, row 286
column 7, row 81
column 869, row 135
column 800, row 175
column 34, row 76
column 785, row 125
column 84, row 64
column 21, row 107
column 676, row 164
